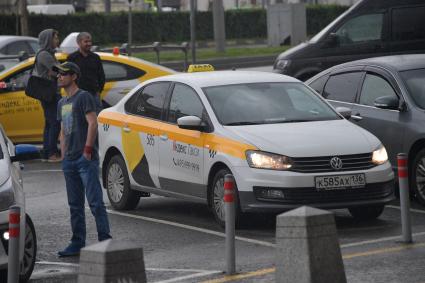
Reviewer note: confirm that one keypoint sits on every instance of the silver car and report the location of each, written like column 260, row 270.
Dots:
column 12, row 193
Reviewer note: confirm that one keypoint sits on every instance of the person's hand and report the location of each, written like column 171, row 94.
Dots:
column 87, row 156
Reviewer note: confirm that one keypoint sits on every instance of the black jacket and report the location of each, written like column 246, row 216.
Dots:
column 92, row 74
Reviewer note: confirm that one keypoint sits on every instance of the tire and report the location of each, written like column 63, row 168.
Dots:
column 30, row 251
column 366, row 212
column 216, row 198
column 417, row 176
column 121, row 196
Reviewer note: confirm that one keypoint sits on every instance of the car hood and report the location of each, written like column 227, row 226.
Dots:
column 308, row 139
column 4, row 171
column 296, row 51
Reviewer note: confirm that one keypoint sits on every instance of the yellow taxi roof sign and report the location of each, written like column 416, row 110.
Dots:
column 200, row 68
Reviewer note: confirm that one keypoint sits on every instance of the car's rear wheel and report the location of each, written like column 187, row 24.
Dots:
column 417, row 176
column 121, row 196
column 30, row 251
column 216, row 198
column 366, row 212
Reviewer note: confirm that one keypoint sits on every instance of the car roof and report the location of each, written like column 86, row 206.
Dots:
column 395, row 62
column 10, row 38
column 214, row 78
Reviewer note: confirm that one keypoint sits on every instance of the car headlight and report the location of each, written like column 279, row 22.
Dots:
column 379, row 156
column 282, row 64
column 265, row 160
column 7, row 195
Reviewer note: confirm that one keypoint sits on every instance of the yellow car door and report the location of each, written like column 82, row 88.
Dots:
column 20, row 115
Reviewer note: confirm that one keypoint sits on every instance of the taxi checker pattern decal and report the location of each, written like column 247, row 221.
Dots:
column 212, row 141
column 136, row 158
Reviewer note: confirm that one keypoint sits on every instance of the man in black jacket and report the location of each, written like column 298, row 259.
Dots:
column 92, row 75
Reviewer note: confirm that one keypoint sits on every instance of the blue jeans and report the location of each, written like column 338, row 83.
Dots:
column 83, row 175
column 51, row 127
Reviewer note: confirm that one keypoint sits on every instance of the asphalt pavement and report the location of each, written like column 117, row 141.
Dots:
column 182, row 242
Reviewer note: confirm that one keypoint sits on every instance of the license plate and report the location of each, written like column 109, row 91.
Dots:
column 340, row 182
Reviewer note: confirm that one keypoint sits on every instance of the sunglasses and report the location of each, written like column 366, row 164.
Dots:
column 63, row 74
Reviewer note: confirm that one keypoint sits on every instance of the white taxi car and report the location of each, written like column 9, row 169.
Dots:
column 179, row 135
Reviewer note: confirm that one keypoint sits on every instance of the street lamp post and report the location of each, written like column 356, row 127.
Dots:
column 130, row 28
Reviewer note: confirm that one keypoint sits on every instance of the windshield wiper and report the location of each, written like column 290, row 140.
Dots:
column 241, row 123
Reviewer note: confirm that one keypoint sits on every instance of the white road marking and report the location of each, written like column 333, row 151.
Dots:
column 411, row 210
column 197, row 272
column 42, row 171
column 190, row 276
column 253, row 241
column 193, row 228
column 57, row 263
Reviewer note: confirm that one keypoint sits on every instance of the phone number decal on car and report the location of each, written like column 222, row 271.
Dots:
column 340, row 182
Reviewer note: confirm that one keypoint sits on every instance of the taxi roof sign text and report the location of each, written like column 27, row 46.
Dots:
column 200, row 68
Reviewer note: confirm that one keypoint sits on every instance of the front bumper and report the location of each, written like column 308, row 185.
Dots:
column 372, row 194
column 299, row 189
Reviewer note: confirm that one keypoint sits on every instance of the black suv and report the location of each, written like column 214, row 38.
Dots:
column 369, row 28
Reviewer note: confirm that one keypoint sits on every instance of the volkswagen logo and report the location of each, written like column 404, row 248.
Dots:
column 336, row 163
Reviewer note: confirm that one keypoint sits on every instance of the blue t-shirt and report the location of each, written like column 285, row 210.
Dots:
column 72, row 114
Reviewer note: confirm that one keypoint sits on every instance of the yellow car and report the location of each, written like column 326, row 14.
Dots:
column 22, row 117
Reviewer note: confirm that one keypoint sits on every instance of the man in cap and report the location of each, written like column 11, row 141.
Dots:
column 78, row 140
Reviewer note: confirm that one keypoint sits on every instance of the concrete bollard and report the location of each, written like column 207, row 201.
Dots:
column 112, row 261
column 307, row 247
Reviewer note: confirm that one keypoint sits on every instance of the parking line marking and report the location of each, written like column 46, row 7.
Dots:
column 190, row 276
column 57, row 263
column 379, row 240
column 241, row 276
column 411, row 210
column 193, row 228
column 348, row 256
column 42, row 171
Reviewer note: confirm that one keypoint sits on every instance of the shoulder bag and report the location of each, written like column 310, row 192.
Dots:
column 40, row 88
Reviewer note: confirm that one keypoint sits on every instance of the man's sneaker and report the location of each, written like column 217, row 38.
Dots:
column 71, row 250
column 54, row 158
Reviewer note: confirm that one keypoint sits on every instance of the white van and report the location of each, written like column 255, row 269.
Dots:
column 51, row 9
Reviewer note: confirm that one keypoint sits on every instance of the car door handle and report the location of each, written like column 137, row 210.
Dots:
column 126, row 129
column 124, row 91
column 357, row 117
column 163, row 137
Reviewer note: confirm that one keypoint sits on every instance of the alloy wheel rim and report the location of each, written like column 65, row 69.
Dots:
column 218, row 202
column 29, row 250
column 420, row 178
column 115, row 183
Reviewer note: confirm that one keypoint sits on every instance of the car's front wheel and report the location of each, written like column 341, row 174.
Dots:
column 216, row 198
column 366, row 212
column 121, row 196
column 417, row 176
column 30, row 251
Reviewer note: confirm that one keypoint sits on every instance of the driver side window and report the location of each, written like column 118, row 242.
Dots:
column 373, row 87
column 184, row 102
column 360, row 29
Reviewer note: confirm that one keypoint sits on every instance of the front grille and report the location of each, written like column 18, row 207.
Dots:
column 306, row 196
column 323, row 163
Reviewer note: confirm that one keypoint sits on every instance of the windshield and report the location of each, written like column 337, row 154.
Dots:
column 415, row 82
column 267, row 103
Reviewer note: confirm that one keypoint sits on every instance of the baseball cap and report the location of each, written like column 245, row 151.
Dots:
column 67, row 68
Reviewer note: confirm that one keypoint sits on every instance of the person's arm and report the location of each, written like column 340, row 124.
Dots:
column 91, row 134
column 48, row 61
column 100, row 76
column 62, row 142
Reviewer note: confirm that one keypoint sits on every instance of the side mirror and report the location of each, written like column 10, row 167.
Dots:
column 25, row 152
column 332, row 40
column 191, row 123
column 344, row 111
column 387, row 102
